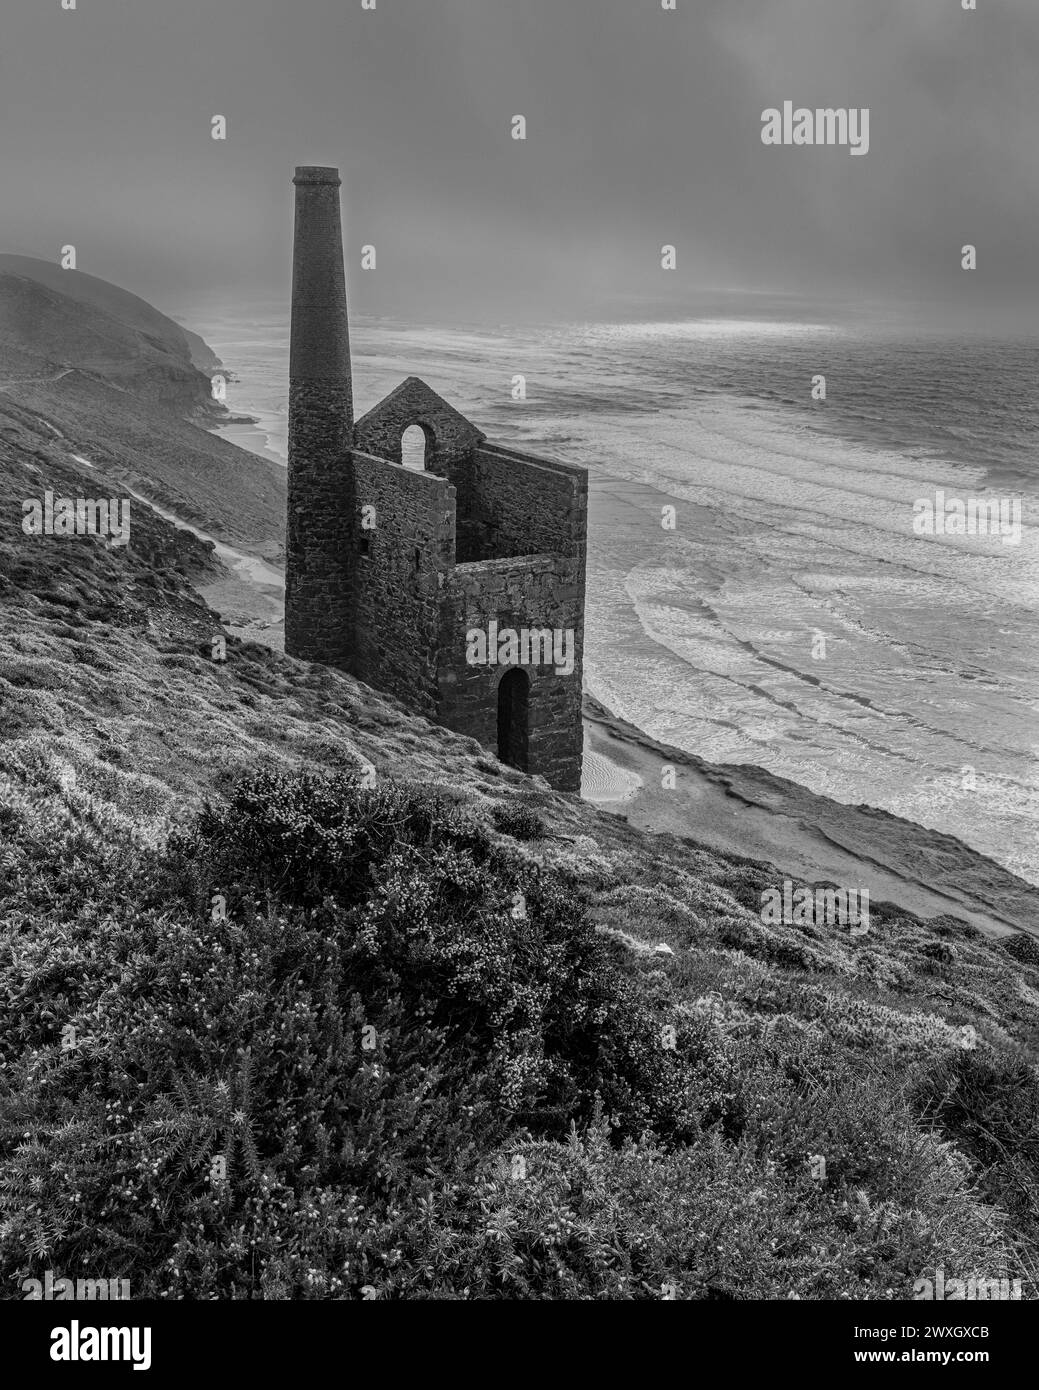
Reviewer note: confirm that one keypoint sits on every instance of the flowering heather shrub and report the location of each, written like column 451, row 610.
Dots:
column 593, row 1220
column 1022, row 947
column 422, row 907
column 314, row 1033
column 371, row 1010
column 521, row 822
column 989, row 1105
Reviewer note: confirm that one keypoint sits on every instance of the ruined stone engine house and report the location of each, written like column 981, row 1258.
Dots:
column 388, row 567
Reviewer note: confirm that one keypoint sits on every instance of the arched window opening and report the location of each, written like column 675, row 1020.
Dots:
column 413, row 448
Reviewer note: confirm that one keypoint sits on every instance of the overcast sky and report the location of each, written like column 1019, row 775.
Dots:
column 644, row 128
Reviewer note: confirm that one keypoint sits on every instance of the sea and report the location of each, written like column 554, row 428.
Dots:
column 757, row 590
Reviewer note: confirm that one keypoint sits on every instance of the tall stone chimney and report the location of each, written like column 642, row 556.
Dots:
column 318, row 560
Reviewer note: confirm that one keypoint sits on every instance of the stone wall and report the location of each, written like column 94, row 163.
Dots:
column 450, row 437
column 522, row 505
column 539, row 591
column 319, row 577
column 400, row 578
column 390, row 604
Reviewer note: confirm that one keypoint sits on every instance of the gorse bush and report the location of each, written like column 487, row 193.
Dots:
column 989, row 1107
column 408, row 902
column 383, row 995
column 521, row 822
column 330, row 1040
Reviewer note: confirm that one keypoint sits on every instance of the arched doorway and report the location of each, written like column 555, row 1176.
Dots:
column 513, row 701
column 413, row 448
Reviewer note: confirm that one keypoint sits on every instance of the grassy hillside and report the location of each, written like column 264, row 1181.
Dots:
column 124, row 393
column 62, row 332
column 179, row 465
column 431, row 1043
column 116, row 303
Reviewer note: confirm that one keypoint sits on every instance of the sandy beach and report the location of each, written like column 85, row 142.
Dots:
column 746, row 811
column 247, row 432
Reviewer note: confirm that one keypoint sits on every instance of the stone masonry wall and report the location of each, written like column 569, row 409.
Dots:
column 522, row 505
column 391, row 605
column 534, row 592
column 399, row 582
column 450, row 437
column 319, row 579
